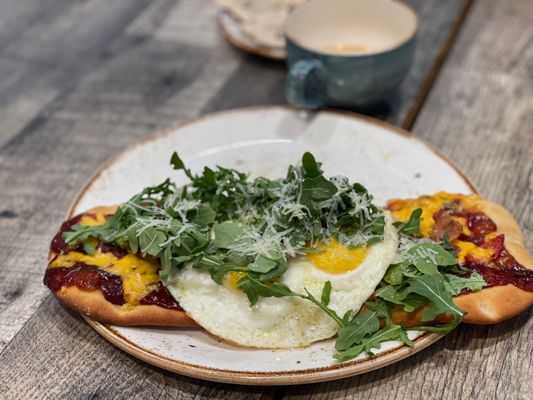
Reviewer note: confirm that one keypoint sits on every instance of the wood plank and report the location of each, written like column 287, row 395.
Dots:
column 480, row 114
column 37, row 68
column 25, row 90
column 18, row 16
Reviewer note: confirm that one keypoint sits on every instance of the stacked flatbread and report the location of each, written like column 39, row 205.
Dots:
column 261, row 20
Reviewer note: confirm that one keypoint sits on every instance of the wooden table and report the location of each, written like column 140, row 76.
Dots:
column 79, row 80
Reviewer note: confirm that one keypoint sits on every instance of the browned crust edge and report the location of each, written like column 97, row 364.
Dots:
column 498, row 303
column 93, row 304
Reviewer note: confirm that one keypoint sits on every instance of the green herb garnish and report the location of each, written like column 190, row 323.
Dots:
column 225, row 221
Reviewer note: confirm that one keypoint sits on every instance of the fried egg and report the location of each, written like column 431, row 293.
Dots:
column 224, row 310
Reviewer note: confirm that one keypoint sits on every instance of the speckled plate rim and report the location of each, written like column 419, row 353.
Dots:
column 314, row 375
column 262, row 378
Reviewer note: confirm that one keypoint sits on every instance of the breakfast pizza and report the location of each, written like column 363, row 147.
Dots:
column 487, row 241
column 111, row 284
column 283, row 263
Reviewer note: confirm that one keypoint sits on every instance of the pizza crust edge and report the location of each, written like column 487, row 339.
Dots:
column 94, row 305
column 498, row 303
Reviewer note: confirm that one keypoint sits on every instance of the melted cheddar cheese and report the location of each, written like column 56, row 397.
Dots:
column 88, row 220
column 402, row 209
column 139, row 276
column 469, row 248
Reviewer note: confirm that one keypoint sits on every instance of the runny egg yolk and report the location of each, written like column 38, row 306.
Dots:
column 232, row 279
column 335, row 258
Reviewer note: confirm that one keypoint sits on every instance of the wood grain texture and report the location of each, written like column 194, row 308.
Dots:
column 47, row 50
column 480, row 114
column 97, row 75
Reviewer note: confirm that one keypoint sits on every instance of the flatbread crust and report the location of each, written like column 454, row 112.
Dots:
column 498, row 303
column 93, row 304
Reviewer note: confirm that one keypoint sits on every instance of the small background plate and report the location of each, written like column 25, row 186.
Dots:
column 232, row 31
column 388, row 161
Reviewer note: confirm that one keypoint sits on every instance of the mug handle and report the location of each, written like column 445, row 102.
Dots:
column 306, row 84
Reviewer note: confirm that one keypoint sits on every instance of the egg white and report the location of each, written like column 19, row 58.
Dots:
column 282, row 322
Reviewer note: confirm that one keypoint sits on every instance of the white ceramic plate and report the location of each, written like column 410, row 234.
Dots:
column 264, row 141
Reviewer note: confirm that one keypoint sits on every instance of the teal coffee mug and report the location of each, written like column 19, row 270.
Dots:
column 348, row 53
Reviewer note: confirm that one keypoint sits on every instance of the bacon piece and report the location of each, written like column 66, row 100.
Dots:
column 445, row 225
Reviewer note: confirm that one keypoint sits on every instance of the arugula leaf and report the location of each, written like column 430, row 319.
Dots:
column 217, row 268
column 314, row 190
column 455, row 284
column 324, row 307
column 392, row 294
column 412, row 226
column 262, row 264
column 255, row 288
column 205, row 216
column 395, row 273
column 166, row 262
column 363, row 324
column 389, row 332
column 178, row 164
column 133, row 241
column 428, row 256
column 326, row 293
column 401, row 296
column 150, row 241
column 311, row 168
column 88, row 246
column 446, row 245
column 381, row 308
column 276, row 272
column 434, row 289
column 229, row 233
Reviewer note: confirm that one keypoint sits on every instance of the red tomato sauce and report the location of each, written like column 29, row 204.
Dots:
column 161, row 297
column 502, row 268
column 86, row 277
